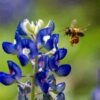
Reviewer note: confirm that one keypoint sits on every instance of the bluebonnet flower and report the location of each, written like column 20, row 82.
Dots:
column 96, row 92
column 52, row 63
column 43, row 64
column 25, row 49
column 40, row 80
column 57, row 88
column 46, row 38
column 30, row 40
column 62, row 70
column 15, row 74
column 23, row 90
column 47, row 64
column 31, row 27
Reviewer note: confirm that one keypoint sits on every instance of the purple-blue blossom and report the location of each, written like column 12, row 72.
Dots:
column 14, row 75
column 95, row 95
column 29, row 41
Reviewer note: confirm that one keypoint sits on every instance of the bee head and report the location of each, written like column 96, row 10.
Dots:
column 67, row 31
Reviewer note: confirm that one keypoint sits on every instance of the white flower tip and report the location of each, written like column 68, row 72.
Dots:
column 40, row 69
column 33, row 62
column 49, row 23
column 54, row 50
column 41, row 22
column 46, row 38
column 24, row 24
column 26, row 21
column 26, row 51
column 14, row 41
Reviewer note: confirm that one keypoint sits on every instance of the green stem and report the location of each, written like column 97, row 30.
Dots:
column 33, row 80
column 33, row 90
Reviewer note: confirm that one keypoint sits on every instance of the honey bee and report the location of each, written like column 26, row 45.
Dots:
column 74, row 33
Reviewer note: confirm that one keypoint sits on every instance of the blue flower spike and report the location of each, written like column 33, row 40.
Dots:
column 15, row 74
column 38, row 45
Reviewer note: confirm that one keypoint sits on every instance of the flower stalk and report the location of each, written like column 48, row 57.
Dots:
column 33, row 80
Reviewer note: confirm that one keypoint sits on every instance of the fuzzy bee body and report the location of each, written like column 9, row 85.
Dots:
column 74, row 34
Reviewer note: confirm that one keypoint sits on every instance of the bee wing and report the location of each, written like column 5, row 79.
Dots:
column 73, row 23
column 83, row 29
column 81, row 34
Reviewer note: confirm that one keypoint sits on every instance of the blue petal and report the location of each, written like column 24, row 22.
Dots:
column 51, row 25
column 60, row 53
column 27, row 43
column 19, row 30
column 60, row 87
column 15, row 69
column 17, row 38
column 9, row 47
column 64, row 70
column 6, row 79
column 55, row 40
column 52, row 42
column 45, row 87
column 60, row 96
column 53, row 64
column 33, row 49
column 49, row 44
column 52, row 82
column 41, row 34
column 23, row 59
column 40, row 77
column 43, row 63
column 51, row 79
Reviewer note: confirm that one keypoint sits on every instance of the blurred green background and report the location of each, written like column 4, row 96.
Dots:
column 84, row 57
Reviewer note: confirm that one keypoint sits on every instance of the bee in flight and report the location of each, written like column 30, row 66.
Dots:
column 74, row 33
